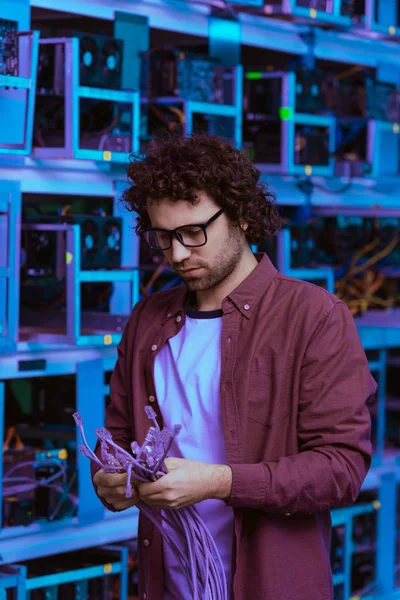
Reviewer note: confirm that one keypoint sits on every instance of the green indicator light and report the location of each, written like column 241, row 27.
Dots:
column 285, row 113
column 254, row 75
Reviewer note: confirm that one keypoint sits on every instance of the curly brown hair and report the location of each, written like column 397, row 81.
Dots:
column 178, row 168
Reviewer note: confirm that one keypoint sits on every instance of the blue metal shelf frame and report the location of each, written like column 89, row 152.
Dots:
column 384, row 586
column 73, row 93
column 289, row 119
column 10, row 210
column 345, row 517
column 12, row 578
column 192, row 107
column 93, row 525
column 16, row 576
column 281, row 36
column 75, row 276
column 386, row 24
column 29, row 84
column 331, row 17
column 312, row 120
column 2, row 410
column 380, row 367
column 284, row 264
column 383, row 149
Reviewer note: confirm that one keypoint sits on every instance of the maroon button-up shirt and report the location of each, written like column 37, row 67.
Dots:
column 293, row 392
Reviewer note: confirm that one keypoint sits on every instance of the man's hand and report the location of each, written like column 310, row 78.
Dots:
column 187, row 482
column 111, row 487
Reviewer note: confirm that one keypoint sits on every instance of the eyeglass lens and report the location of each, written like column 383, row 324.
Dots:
column 190, row 236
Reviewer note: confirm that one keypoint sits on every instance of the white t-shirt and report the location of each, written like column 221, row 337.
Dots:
column 187, row 374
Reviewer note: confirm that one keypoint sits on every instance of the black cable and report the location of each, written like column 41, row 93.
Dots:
column 307, row 186
column 341, row 190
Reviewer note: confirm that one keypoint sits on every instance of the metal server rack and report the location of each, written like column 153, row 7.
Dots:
column 90, row 363
column 19, row 579
column 289, row 120
column 10, row 204
column 190, row 108
column 13, row 89
column 68, row 63
column 81, row 531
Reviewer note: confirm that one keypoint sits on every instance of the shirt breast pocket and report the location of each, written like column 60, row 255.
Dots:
column 270, row 385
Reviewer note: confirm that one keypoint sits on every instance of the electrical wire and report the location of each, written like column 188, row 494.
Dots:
column 366, row 590
column 12, row 486
column 373, row 260
column 64, row 495
column 359, row 294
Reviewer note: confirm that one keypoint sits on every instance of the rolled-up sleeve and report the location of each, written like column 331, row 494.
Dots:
column 334, row 427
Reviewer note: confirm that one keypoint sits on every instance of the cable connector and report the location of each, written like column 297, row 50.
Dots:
column 103, row 434
column 177, row 429
column 135, row 448
column 78, row 419
column 150, row 412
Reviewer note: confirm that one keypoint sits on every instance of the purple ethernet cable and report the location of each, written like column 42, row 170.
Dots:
column 197, row 537
column 79, row 422
column 201, row 569
column 123, row 456
column 194, row 572
column 140, row 505
column 207, row 541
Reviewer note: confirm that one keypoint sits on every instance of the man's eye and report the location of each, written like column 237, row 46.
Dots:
column 192, row 231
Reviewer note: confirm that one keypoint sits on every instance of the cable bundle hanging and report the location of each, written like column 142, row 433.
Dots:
column 197, row 551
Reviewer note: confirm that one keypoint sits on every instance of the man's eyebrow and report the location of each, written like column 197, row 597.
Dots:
column 184, row 225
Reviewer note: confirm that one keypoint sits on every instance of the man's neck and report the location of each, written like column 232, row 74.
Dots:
column 212, row 299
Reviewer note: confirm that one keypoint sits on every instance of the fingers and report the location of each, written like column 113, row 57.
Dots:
column 117, row 498
column 124, row 503
column 111, row 487
column 110, row 479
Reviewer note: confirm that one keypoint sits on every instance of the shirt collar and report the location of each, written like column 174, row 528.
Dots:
column 248, row 294
column 245, row 297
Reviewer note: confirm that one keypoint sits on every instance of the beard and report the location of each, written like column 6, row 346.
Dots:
column 222, row 266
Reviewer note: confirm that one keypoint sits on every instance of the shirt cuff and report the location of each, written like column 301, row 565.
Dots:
column 248, row 486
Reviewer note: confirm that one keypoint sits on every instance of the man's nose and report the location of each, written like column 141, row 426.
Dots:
column 179, row 252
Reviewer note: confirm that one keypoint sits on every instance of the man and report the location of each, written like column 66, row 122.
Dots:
column 265, row 373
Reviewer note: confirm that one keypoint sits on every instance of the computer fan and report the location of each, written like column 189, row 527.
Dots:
column 111, row 62
column 100, row 61
column 111, row 243
column 88, row 60
column 90, row 242
column 38, row 253
column 101, row 239
column 309, row 98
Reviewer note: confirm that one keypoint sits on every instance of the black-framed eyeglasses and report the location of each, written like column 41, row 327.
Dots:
column 192, row 236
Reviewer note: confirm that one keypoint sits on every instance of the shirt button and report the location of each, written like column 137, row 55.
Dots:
column 144, row 596
column 246, row 307
column 168, row 315
column 287, row 514
column 154, row 347
column 151, row 398
column 146, row 542
column 178, row 319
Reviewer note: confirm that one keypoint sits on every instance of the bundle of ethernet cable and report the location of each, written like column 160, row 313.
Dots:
column 196, row 551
